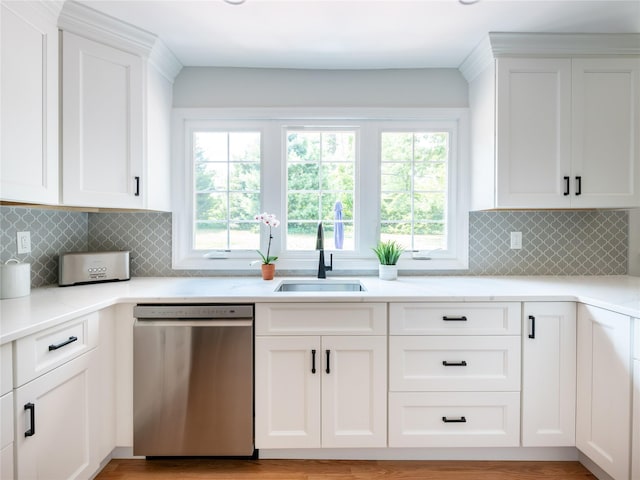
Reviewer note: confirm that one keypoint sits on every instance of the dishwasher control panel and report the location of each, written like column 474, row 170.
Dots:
column 192, row 311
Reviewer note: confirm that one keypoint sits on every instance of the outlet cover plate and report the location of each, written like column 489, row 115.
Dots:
column 24, row 242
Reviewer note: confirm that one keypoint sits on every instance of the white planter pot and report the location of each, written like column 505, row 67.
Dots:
column 388, row 272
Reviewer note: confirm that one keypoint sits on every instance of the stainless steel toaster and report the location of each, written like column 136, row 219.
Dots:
column 93, row 267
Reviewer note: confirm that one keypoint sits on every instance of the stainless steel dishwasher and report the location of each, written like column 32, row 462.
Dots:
column 193, row 380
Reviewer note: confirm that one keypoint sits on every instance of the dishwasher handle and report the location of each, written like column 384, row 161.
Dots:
column 153, row 322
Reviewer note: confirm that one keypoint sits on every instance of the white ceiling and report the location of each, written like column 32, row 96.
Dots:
column 355, row 33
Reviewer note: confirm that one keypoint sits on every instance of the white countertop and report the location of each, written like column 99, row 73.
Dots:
column 49, row 306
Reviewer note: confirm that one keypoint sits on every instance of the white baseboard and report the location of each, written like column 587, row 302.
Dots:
column 516, row 453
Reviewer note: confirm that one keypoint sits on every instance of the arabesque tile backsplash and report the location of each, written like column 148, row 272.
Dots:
column 554, row 243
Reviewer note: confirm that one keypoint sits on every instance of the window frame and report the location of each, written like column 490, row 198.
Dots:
column 272, row 124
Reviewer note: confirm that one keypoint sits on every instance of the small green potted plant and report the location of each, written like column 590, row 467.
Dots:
column 388, row 254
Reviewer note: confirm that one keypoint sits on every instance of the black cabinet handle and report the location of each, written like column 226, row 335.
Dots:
column 463, row 363
column 137, row 193
column 566, row 186
column 454, row 319
column 60, row 345
column 578, row 185
column 32, row 419
column 328, row 370
column 533, row 326
column 454, row 420
column 313, row 361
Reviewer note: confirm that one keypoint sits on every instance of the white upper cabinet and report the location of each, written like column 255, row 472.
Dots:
column 556, row 132
column 533, row 132
column 102, row 114
column 605, row 132
column 116, row 106
column 29, row 97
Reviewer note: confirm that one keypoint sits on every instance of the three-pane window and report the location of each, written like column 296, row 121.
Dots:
column 365, row 179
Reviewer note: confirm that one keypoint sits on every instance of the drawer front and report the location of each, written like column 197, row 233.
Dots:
column 6, row 368
column 443, row 364
column 45, row 350
column 321, row 319
column 455, row 318
column 467, row 419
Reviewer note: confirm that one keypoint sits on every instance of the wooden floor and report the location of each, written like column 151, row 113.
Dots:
column 190, row 469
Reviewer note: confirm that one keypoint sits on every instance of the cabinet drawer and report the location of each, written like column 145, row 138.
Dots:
column 468, row 419
column 454, row 318
column 321, row 319
column 45, row 350
column 6, row 368
column 444, row 364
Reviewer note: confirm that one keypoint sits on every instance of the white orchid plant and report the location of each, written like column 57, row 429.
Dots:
column 270, row 220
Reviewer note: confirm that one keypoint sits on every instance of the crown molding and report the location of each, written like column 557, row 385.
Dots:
column 164, row 60
column 87, row 22
column 498, row 44
column 477, row 61
column 564, row 44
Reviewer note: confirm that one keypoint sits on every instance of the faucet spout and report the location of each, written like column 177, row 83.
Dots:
column 322, row 268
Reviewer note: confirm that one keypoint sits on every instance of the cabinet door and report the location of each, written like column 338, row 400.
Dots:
column 606, row 132
column 635, row 442
column 104, row 388
column 549, row 374
column 60, row 445
column 603, row 420
column 102, row 115
column 29, row 123
column 354, row 391
column 6, row 436
column 287, row 392
column 533, row 132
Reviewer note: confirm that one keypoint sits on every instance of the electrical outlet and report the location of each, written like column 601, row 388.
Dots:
column 516, row 240
column 24, row 242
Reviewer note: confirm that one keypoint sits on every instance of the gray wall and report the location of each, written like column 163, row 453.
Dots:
column 263, row 87
column 554, row 243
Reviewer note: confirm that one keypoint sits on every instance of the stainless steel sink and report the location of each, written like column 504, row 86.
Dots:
column 320, row 286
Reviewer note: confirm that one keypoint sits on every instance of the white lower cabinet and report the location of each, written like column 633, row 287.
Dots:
column 603, row 415
column 635, row 440
column 6, row 436
column 316, row 391
column 65, row 399
column 548, row 374
column 454, row 374
column 53, row 415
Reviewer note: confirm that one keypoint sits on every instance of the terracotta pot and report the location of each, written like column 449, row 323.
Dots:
column 268, row 271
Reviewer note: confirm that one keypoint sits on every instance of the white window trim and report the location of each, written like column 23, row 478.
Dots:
column 270, row 122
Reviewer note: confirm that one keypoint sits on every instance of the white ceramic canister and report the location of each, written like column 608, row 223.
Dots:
column 15, row 279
